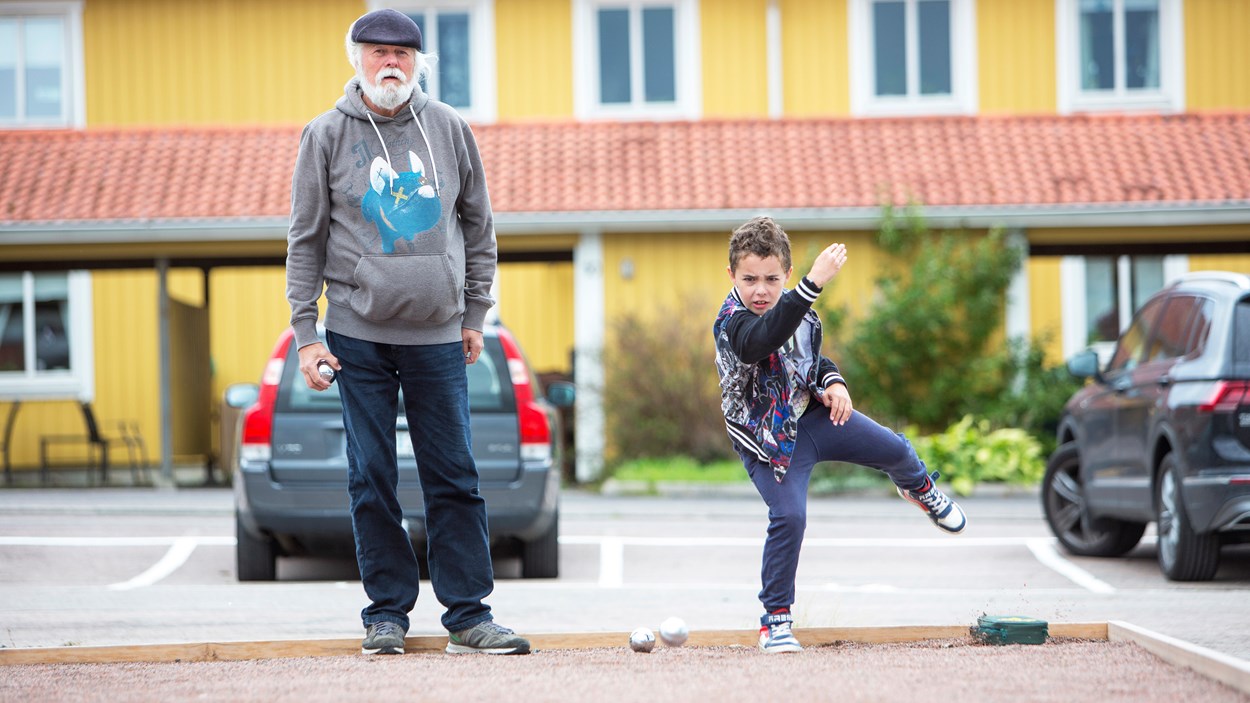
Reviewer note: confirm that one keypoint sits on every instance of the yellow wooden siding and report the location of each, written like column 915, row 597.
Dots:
column 216, row 62
column 1016, row 56
column 685, row 273
column 735, row 60
column 649, row 274
column 536, row 304
column 247, row 313
column 1237, row 263
column 1045, row 308
column 534, row 59
column 127, row 366
column 1217, row 55
column 815, row 59
column 538, row 242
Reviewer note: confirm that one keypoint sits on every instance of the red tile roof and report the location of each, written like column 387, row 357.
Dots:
column 1193, row 160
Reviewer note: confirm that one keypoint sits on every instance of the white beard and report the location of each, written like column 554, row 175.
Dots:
column 387, row 97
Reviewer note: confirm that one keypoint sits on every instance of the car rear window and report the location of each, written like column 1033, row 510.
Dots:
column 490, row 389
column 1241, row 338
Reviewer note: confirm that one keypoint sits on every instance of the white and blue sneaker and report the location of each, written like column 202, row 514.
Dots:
column 775, row 634
column 944, row 512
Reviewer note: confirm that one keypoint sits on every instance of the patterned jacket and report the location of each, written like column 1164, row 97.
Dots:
column 760, row 359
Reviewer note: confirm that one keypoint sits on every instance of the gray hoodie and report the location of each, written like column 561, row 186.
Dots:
column 393, row 216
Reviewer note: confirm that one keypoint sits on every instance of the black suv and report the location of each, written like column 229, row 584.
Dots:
column 290, row 474
column 1162, row 434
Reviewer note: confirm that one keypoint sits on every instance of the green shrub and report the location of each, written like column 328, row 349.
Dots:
column 661, row 396
column 1035, row 400
column 971, row 452
column 927, row 351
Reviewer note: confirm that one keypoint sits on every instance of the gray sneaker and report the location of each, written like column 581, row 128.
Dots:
column 383, row 637
column 487, row 637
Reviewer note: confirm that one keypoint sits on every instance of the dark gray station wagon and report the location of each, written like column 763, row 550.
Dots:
column 1162, row 434
column 290, row 482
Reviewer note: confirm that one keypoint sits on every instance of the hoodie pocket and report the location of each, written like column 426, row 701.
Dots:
column 412, row 288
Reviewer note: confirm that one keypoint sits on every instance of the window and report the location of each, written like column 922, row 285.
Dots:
column 45, row 334
column 1099, row 295
column 41, row 64
column 913, row 57
column 1117, row 54
column 636, row 59
column 461, row 34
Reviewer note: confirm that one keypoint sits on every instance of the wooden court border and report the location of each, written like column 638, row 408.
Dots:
column 1228, row 670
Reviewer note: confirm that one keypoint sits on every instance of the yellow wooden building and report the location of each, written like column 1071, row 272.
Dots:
column 1137, row 90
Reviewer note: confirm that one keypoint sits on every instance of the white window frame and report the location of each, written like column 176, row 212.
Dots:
column 73, row 87
column 1169, row 97
column 963, row 99
column 1072, row 295
column 688, row 75
column 79, row 381
column 482, row 93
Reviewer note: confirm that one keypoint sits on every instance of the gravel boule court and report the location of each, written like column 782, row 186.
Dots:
column 1095, row 662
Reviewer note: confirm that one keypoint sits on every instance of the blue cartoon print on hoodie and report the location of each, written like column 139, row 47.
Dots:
column 400, row 205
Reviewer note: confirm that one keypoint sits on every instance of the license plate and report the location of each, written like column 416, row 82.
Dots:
column 403, row 445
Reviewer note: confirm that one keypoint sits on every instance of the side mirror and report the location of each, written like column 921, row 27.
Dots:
column 1085, row 365
column 561, row 394
column 241, row 395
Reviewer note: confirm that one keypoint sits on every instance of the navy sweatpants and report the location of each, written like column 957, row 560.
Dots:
column 860, row 441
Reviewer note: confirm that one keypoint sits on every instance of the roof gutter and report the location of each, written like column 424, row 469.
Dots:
column 523, row 223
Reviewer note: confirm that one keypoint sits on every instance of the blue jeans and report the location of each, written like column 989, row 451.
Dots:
column 860, row 441
column 435, row 387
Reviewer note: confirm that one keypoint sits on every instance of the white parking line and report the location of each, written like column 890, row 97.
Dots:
column 611, row 552
column 611, row 562
column 867, row 542
column 177, row 555
column 1044, row 550
column 200, row 540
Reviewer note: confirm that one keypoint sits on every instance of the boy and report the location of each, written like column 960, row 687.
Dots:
column 771, row 369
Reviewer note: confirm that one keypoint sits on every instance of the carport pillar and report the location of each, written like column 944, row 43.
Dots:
column 165, row 375
column 588, row 334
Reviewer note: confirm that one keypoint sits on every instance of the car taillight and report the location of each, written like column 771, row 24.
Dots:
column 532, row 417
column 1225, row 397
column 257, row 436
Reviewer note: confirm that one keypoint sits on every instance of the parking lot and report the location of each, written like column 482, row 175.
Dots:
column 126, row 566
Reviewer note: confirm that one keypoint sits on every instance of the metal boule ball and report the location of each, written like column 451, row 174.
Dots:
column 674, row 632
column 642, row 640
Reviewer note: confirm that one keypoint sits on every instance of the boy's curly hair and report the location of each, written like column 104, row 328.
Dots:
column 760, row 236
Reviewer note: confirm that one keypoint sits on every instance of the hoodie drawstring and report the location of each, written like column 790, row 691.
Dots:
column 428, row 150
column 390, row 167
column 387, row 153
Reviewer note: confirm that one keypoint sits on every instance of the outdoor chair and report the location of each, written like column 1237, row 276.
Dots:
column 98, row 446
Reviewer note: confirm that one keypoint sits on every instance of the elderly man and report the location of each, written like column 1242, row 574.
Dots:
column 389, row 210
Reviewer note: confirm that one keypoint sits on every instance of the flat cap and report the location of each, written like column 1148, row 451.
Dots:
column 386, row 26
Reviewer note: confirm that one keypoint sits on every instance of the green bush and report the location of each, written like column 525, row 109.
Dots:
column 927, row 351
column 971, row 452
column 1035, row 399
column 661, row 396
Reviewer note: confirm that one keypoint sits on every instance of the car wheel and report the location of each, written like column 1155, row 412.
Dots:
column 540, row 558
column 1184, row 555
column 255, row 558
column 1063, row 502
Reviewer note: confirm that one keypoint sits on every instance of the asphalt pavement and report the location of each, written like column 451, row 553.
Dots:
column 155, row 565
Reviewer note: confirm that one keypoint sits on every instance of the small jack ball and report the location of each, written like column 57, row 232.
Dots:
column 642, row 640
